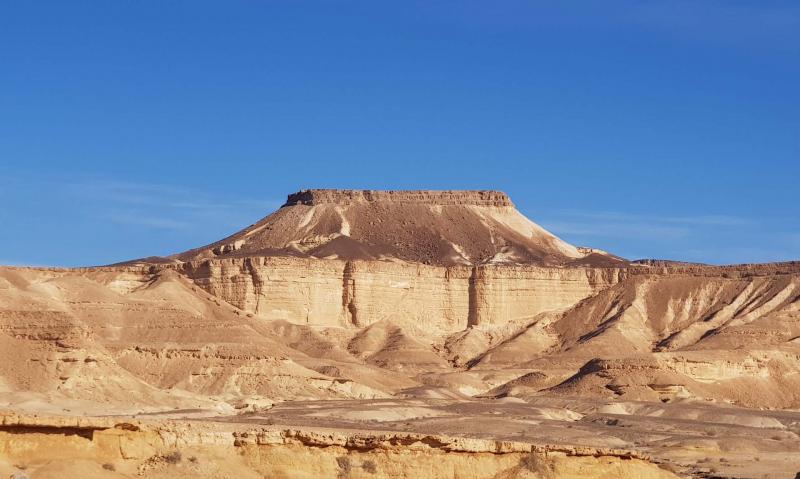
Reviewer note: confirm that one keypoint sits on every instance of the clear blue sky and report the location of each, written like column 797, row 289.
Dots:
column 663, row 129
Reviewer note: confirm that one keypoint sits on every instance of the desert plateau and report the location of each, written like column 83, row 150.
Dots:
column 399, row 334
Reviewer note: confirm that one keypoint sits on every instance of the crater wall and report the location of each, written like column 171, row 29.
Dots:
column 359, row 293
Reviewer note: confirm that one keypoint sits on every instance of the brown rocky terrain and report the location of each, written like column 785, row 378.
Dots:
column 429, row 227
column 404, row 323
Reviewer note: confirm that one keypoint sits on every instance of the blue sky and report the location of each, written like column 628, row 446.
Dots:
column 665, row 129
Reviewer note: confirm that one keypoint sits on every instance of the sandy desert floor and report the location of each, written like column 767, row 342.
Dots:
column 682, row 439
column 690, row 439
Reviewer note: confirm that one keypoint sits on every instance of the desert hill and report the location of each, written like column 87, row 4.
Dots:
column 412, row 311
column 430, row 227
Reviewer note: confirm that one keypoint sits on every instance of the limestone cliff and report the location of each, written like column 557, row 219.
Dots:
column 359, row 293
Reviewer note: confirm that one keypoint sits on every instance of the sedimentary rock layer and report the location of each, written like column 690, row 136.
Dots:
column 446, row 299
column 89, row 446
column 359, row 293
column 428, row 197
column 429, row 227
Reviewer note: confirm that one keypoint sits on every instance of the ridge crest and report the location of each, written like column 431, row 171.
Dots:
column 312, row 197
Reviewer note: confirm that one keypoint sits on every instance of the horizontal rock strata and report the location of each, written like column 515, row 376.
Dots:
column 359, row 293
column 428, row 197
column 172, row 449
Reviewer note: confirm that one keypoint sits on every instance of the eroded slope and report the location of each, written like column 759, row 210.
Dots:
column 428, row 227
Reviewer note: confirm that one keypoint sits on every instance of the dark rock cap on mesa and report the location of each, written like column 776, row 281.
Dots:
column 430, row 197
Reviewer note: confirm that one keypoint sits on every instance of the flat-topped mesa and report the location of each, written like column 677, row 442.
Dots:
column 434, row 227
column 428, row 197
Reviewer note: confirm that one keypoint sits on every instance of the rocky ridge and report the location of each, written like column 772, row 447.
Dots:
column 72, row 446
column 427, row 197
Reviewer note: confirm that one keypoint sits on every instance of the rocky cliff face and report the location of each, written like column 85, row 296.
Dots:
column 405, row 197
column 360, row 293
column 71, row 447
column 449, row 299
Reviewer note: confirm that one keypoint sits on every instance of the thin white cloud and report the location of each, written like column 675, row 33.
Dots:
column 147, row 221
column 163, row 196
column 621, row 225
column 756, row 24
column 793, row 238
column 229, row 204
column 164, row 206
column 681, row 235
column 641, row 231
column 736, row 255
column 703, row 220
column 763, row 25
column 126, row 192
column 712, row 220
column 25, row 263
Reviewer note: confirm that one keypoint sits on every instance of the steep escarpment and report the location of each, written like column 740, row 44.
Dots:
column 359, row 293
column 681, row 304
column 404, row 197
